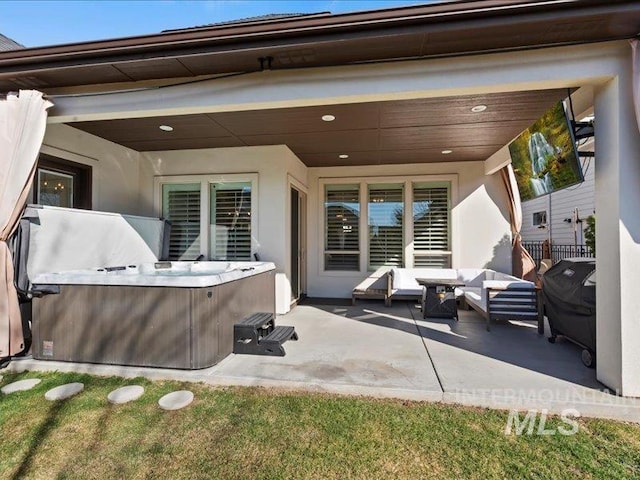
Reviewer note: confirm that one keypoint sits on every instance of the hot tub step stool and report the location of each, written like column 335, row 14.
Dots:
column 258, row 335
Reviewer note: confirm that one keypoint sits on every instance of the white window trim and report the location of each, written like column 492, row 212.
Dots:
column 205, row 182
column 364, row 183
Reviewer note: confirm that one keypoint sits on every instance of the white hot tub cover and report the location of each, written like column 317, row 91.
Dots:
column 63, row 239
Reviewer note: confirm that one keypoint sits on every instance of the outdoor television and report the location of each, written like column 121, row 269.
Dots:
column 545, row 157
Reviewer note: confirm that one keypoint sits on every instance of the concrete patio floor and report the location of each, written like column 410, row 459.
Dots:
column 392, row 352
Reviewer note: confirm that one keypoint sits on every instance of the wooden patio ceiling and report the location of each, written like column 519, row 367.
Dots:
column 407, row 131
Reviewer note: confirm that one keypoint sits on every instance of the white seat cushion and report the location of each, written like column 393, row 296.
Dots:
column 474, row 296
column 409, row 292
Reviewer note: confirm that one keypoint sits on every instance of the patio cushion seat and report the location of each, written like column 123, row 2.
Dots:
column 473, row 296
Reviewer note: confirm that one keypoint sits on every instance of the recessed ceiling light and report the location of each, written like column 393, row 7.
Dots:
column 447, row 152
column 479, row 108
column 328, row 118
column 343, row 155
column 166, row 128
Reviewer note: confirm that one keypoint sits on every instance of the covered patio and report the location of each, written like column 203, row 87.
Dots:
column 144, row 114
column 377, row 351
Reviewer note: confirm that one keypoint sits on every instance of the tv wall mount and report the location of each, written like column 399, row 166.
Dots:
column 581, row 131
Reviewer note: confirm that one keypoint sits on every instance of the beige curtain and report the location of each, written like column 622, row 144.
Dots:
column 636, row 77
column 23, row 119
column 523, row 265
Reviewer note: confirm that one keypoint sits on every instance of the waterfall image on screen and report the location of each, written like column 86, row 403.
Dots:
column 539, row 152
column 544, row 156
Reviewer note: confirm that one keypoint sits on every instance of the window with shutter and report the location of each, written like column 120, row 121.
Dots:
column 181, row 206
column 342, row 232
column 431, row 213
column 230, row 213
column 386, row 225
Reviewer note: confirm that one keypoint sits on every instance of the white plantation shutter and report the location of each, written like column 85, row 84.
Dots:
column 429, row 203
column 342, row 233
column 431, row 219
column 386, row 218
column 231, row 221
column 181, row 206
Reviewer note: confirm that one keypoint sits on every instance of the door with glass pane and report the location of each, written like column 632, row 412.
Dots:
column 298, row 244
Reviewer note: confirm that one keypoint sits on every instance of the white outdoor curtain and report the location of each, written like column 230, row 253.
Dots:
column 22, row 125
column 523, row 266
column 636, row 78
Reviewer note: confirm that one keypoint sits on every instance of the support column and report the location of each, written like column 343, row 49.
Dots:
column 617, row 173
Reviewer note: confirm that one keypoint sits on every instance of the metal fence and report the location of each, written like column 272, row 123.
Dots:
column 557, row 252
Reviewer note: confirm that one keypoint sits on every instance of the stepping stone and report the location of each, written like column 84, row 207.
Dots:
column 64, row 391
column 20, row 386
column 176, row 400
column 125, row 394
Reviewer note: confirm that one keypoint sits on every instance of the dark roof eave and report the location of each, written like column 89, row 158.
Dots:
column 292, row 30
column 287, row 24
column 296, row 26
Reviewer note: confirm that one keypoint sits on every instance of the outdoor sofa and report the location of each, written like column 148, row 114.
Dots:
column 495, row 295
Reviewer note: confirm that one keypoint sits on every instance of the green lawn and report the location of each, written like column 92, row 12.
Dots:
column 257, row 433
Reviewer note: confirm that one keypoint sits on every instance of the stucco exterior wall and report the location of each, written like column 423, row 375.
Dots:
column 618, row 233
column 115, row 169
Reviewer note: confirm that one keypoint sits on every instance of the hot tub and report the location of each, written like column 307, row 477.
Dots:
column 162, row 314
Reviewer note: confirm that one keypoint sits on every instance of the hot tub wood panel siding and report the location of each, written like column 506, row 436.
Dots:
column 166, row 327
column 233, row 301
column 114, row 325
column 205, row 327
